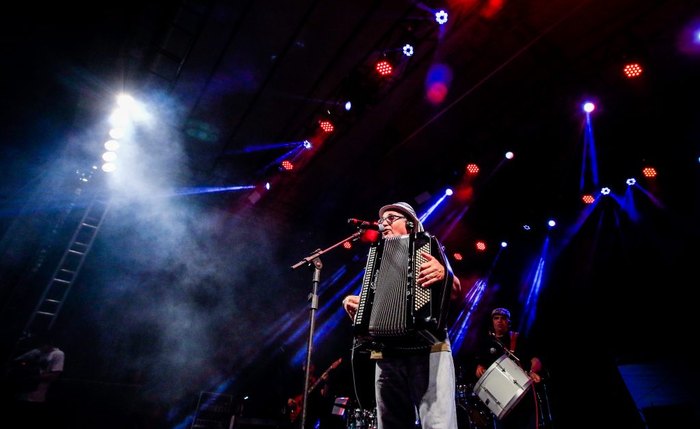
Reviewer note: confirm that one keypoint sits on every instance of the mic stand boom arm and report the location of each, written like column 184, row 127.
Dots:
column 313, row 260
column 309, row 260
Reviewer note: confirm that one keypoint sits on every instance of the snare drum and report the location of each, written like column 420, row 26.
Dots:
column 502, row 386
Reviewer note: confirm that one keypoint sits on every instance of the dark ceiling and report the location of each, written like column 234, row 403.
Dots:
column 231, row 82
column 519, row 74
column 250, row 74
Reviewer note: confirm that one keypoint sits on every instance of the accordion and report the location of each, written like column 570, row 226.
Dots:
column 393, row 306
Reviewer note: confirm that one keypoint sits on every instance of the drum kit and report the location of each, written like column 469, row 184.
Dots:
column 359, row 418
column 472, row 413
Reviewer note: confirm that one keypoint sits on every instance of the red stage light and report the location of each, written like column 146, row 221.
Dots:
column 588, row 199
column 326, row 126
column 287, row 165
column 632, row 70
column 437, row 93
column 384, row 67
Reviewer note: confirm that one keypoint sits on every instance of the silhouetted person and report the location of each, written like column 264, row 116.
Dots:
column 33, row 373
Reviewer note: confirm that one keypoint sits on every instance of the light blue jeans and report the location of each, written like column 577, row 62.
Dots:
column 420, row 388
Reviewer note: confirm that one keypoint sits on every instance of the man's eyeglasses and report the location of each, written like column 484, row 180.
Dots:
column 390, row 219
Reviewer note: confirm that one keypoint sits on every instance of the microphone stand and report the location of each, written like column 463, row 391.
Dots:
column 314, row 261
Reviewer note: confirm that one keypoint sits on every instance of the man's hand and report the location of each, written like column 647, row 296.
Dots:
column 431, row 271
column 350, row 304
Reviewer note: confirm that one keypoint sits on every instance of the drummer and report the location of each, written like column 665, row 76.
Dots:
column 498, row 341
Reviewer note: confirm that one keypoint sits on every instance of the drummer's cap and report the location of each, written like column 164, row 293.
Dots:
column 501, row 311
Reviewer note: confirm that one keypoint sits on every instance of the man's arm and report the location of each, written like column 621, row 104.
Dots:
column 456, row 288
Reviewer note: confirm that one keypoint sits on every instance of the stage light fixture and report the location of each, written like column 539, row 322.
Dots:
column 632, row 70
column 441, row 17
column 631, row 181
column 384, row 67
column 605, row 190
column 588, row 107
column 588, row 199
column 116, row 133
column 437, row 82
column 119, row 117
column 326, row 126
column 407, row 49
column 112, row 145
column 649, row 172
column 472, row 169
column 287, row 165
column 125, row 100
column 436, row 93
column 480, row 245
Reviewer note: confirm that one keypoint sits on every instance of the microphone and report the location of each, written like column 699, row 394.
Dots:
column 365, row 224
